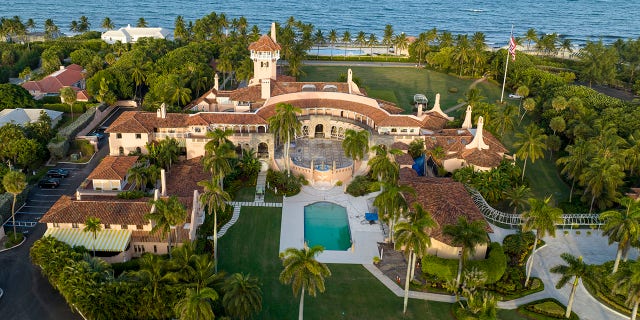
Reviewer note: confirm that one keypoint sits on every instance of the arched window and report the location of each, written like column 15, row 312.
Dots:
column 319, row 132
column 138, row 150
column 263, row 150
column 121, row 151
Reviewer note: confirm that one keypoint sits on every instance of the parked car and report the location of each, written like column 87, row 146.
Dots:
column 98, row 135
column 57, row 173
column 49, row 183
column 515, row 96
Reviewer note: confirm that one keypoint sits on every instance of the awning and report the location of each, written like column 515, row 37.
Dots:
column 106, row 240
column 370, row 216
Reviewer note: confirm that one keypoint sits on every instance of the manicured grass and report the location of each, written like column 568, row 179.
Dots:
column 246, row 194
column 251, row 246
column 398, row 85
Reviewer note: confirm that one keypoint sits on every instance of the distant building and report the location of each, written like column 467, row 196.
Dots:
column 71, row 76
column 131, row 34
column 22, row 117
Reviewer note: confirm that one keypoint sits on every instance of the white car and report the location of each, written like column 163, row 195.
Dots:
column 515, row 96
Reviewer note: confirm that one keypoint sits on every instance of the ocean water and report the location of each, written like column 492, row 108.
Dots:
column 577, row 20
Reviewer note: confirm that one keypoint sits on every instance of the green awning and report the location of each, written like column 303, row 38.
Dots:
column 106, row 240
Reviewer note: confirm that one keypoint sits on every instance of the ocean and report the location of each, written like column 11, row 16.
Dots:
column 577, row 20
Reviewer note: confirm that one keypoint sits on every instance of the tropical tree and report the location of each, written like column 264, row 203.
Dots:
column 577, row 159
column 142, row 23
column 392, row 202
column 68, row 96
column 138, row 175
column 196, row 304
column 517, row 197
column 14, row 182
column 466, row 235
column 167, row 214
column 627, row 283
column 361, row 39
column 531, row 35
column 387, row 38
column 506, row 118
column 217, row 160
column 215, row 199
column 285, row 125
column 333, row 38
column 413, row 238
column 531, row 145
column 242, row 297
column 50, row 28
column 542, row 218
column 601, row 180
column 622, row 227
column 355, row 145
column 84, row 24
column 92, row 224
column 557, row 124
column 346, row 40
column 372, row 41
column 152, row 273
column 303, row 272
column 318, row 39
column 528, row 105
column 180, row 29
column 107, row 24
column 575, row 268
column 401, row 43
column 382, row 167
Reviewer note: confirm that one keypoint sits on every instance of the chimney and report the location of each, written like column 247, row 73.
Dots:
column 78, row 195
column 273, row 32
column 162, row 111
column 266, row 88
column 216, row 81
column 477, row 141
column 163, row 181
column 62, row 67
column 420, row 106
column 349, row 79
column 467, row 119
column 436, row 105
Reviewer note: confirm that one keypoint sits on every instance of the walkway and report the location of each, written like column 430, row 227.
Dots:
column 261, row 186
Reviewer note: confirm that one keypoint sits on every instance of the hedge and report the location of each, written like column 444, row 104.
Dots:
column 443, row 269
column 59, row 146
column 544, row 307
column 78, row 107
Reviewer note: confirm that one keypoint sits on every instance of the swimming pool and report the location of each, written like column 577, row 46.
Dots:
column 327, row 224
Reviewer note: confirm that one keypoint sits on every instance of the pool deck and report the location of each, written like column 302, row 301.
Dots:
column 364, row 235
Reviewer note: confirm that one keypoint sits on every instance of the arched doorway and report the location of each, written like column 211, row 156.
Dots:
column 121, row 151
column 263, row 150
column 319, row 132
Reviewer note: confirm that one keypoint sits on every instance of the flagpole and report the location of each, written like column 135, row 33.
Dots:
column 506, row 65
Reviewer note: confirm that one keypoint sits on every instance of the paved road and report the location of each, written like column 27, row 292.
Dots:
column 27, row 294
column 358, row 63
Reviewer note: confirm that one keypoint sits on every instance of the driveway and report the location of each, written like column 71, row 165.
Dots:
column 594, row 249
column 27, row 294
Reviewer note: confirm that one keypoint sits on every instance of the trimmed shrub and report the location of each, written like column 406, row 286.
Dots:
column 518, row 247
column 120, row 267
column 288, row 185
column 83, row 146
column 551, row 308
column 78, row 107
column 11, row 241
column 440, row 269
column 494, row 265
column 132, row 194
column 362, row 185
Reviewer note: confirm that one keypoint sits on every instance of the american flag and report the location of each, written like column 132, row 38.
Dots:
column 512, row 48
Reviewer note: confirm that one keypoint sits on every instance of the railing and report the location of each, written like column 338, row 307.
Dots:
column 514, row 221
column 172, row 135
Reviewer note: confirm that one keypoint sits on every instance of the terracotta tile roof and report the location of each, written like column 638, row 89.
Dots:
column 115, row 211
column 376, row 114
column 434, row 121
column 399, row 145
column 146, row 236
column 184, row 177
column 404, row 159
column 283, row 87
column 400, row 121
column 494, row 144
column 253, row 93
column 451, row 140
column 407, row 174
column 389, row 106
column 482, row 158
column 57, row 80
column 113, row 168
column 146, row 122
column 265, row 43
column 205, row 118
column 445, row 199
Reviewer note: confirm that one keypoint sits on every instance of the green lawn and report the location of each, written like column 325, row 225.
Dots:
column 251, row 246
column 246, row 194
column 400, row 84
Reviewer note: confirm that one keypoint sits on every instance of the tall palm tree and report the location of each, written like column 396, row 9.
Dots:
column 601, row 179
column 401, row 42
column 467, row 235
column 318, row 39
column 372, row 41
column 346, row 40
column 217, row 160
column 168, row 214
column 142, row 23
column 531, row 145
column 361, row 39
column 215, row 199
column 14, row 182
column 542, row 218
column 355, row 145
column 152, row 273
column 107, row 24
column 627, row 283
column 387, row 37
column 531, row 35
column 392, row 202
column 138, row 175
column 218, row 137
column 529, row 105
column 196, row 304
column 303, row 272
column 50, row 28
column 517, row 197
column 575, row 268
column 285, row 125
column 622, row 227
column 138, row 74
column 577, row 159
column 92, row 224
column 413, row 238
column 382, row 167
column 333, row 38
column 242, row 297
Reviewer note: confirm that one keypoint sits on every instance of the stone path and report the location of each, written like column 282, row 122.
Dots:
column 261, row 186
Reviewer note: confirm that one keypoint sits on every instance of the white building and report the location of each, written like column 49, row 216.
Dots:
column 24, row 116
column 131, row 34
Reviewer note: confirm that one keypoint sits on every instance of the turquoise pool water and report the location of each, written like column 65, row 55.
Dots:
column 327, row 224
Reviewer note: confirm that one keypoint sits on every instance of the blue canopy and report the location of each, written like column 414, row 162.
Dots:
column 418, row 165
column 371, row 216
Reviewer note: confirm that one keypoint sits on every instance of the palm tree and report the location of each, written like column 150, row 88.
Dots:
column 392, row 202
column 372, row 41
column 361, row 39
column 285, row 125
column 601, row 179
column 542, row 218
column 166, row 213
column 196, row 304
column 138, row 175
column 14, row 182
column 467, row 235
column 152, row 273
column 139, row 77
column 622, row 227
column 303, row 272
column 218, row 137
column 68, row 95
column 243, row 296
column 92, row 224
column 346, row 40
column 628, row 284
column 333, row 38
column 517, row 197
column 401, row 42
column 531, row 35
column 387, row 38
column 382, row 167
column 217, row 160
column 413, row 238
column 531, row 145
column 528, row 104
column 355, row 145
column 50, row 28
column 578, row 158
column 318, row 39
column 107, row 24
column 142, row 23
column 575, row 268
column 215, row 199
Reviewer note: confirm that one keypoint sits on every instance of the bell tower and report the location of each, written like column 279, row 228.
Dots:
column 265, row 54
